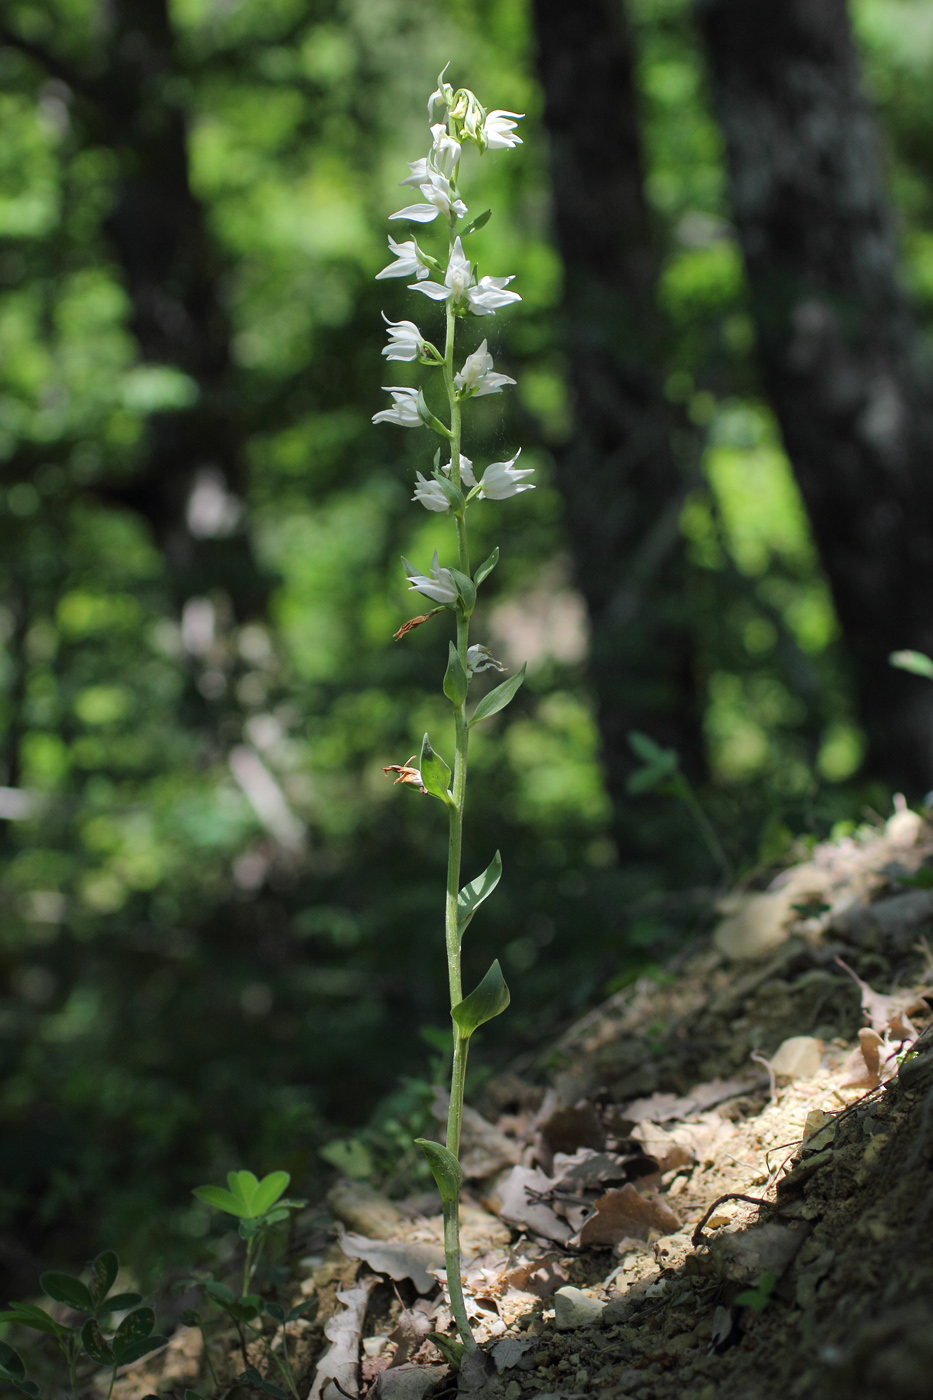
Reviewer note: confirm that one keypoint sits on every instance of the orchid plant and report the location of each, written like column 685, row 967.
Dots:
column 450, row 277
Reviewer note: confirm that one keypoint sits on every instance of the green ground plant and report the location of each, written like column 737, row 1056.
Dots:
column 118, row 1328
column 98, row 1338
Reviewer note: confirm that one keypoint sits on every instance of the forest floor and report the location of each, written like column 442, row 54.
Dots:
column 723, row 1190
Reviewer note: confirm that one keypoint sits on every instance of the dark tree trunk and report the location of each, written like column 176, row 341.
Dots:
column 157, row 227
column 131, row 102
column 837, row 348
column 622, row 487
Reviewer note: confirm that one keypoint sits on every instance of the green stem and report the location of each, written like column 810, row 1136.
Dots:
column 255, row 1242
column 71, row 1356
column 285, row 1368
column 207, row 1354
column 452, row 929
column 706, row 828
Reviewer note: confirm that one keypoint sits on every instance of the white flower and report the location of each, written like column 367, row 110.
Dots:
column 445, row 152
column 469, row 111
column 480, row 659
column 439, row 586
column 456, row 279
column 408, row 262
column 502, row 479
column 404, row 410
column 478, row 377
column 499, row 129
column 405, row 340
column 430, row 494
column 489, row 295
column 442, row 93
column 436, row 191
column 419, row 172
column 466, row 471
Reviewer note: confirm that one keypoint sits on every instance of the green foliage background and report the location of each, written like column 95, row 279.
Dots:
column 183, row 991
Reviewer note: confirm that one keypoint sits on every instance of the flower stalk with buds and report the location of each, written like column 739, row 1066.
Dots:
column 451, row 489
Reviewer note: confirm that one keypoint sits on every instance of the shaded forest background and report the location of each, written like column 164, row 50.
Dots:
column 220, row 941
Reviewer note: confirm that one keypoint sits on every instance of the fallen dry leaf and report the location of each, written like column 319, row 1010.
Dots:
column 698, row 1141
column 542, row 1276
column 340, row 1362
column 361, row 1207
column 408, row 1382
column 661, row 1108
column 626, row 1211
column 412, row 1327
column 798, row 1057
column 889, row 1012
column 564, row 1128
column 397, row 1261
column 519, row 1204
column 872, row 1063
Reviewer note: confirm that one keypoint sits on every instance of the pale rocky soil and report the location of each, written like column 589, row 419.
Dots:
column 723, row 1191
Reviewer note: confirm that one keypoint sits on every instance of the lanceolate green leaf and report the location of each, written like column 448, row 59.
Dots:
column 11, row 1363
column 220, row 1292
column 223, row 1200
column 435, row 775
column 103, row 1273
column 134, row 1327
column 27, row 1315
column 243, row 1184
column 498, row 699
column 95, row 1344
column 467, row 590
column 453, row 494
column 63, row 1288
column 659, row 764
column 132, row 1351
column 428, row 418
column 472, row 895
column 445, row 1168
column 479, row 222
column 268, row 1191
column 119, row 1301
column 455, row 679
column 487, row 566
column 648, row 751
column 489, row 999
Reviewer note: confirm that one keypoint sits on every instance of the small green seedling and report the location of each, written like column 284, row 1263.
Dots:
column 95, row 1338
column 757, row 1298
column 660, row 771
column 246, row 1313
column 256, row 1204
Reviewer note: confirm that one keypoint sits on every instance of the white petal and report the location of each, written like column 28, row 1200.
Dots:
column 418, row 213
column 430, row 494
column 434, row 290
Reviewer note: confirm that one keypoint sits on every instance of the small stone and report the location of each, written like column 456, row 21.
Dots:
column 573, row 1308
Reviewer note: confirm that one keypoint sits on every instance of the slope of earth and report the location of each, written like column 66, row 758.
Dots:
column 723, row 1191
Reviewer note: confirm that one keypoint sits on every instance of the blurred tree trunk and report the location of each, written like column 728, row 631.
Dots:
column 837, row 347
column 158, row 229
column 191, row 473
column 622, row 487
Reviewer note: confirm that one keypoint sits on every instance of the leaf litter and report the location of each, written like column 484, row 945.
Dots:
column 666, row 1221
